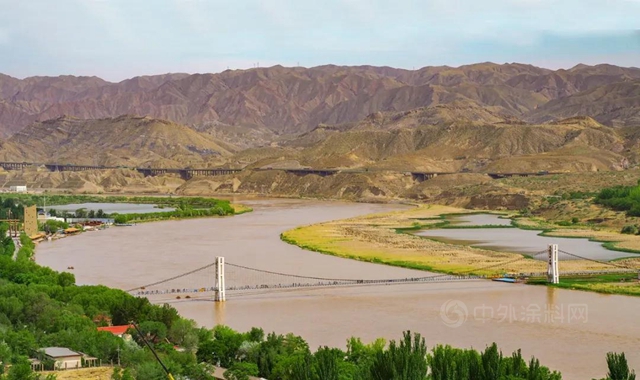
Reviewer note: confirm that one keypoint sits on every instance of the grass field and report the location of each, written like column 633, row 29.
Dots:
column 374, row 238
column 98, row 373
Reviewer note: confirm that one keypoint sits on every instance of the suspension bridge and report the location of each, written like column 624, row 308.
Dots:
column 216, row 279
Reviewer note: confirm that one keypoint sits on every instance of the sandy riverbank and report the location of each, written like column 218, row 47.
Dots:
column 375, row 238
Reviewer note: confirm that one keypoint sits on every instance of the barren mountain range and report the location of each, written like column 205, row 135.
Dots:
column 476, row 118
column 295, row 100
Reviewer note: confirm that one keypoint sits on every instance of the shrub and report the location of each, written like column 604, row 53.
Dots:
column 629, row 230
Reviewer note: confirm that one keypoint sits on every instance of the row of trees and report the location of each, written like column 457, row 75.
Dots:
column 65, row 199
column 11, row 208
column 79, row 213
column 288, row 357
column 183, row 211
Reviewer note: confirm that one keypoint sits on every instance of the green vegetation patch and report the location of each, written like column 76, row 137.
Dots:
column 185, row 207
column 621, row 198
column 624, row 284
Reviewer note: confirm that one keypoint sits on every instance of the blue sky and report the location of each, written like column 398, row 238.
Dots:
column 118, row 39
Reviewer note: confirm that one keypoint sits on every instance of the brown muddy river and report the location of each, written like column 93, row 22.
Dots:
column 567, row 330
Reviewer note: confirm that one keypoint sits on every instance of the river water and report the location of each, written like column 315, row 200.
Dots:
column 109, row 208
column 567, row 330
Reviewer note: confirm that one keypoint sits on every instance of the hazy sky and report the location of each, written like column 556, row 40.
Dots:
column 117, row 39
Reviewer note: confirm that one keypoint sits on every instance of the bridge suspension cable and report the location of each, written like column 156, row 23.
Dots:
column 596, row 261
column 277, row 280
column 289, row 275
column 244, row 278
column 173, row 278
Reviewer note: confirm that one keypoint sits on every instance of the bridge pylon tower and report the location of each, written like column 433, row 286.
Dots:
column 220, row 293
column 553, row 274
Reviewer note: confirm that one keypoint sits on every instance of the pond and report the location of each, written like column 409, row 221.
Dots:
column 478, row 220
column 515, row 239
column 110, row 208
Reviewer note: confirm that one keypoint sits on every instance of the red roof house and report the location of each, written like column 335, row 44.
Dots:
column 116, row 330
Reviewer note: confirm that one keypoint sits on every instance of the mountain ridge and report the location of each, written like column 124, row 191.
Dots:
column 122, row 141
column 294, row 100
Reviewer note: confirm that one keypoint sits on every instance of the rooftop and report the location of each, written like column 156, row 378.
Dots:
column 59, row 352
column 116, row 330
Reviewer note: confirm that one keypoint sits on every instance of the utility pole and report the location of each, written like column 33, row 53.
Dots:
column 10, row 223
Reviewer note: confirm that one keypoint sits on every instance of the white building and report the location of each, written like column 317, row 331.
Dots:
column 18, row 189
column 42, row 217
column 64, row 358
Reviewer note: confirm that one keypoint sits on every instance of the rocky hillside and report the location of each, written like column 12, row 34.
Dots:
column 454, row 138
column 295, row 100
column 121, row 141
column 460, row 137
column 616, row 104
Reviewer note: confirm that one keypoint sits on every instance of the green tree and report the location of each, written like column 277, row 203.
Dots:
column 153, row 332
column 629, row 230
column 183, row 332
column 618, row 367
column 120, row 219
column 327, row 363
column 298, row 366
column 5, row 354
column 256, row 334
column 222, row 349
column 241, row 371
column 404, row 361
column 66, row 279
column 538, row 372
column 21, row 371
column 491, row 360
column 150, row 370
